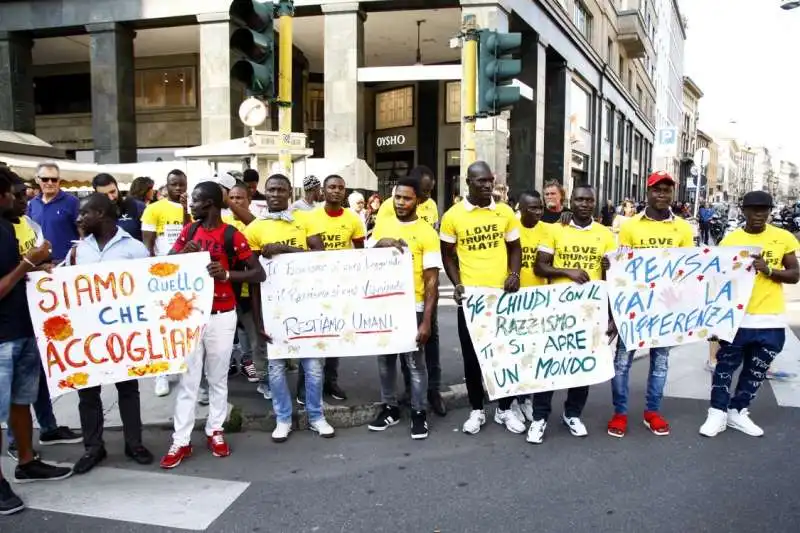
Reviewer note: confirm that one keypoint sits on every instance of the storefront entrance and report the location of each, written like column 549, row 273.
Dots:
column 391, row 166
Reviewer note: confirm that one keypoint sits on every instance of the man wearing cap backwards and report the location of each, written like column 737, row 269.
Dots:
column 655, row 227
column 313, row 195
column 762, row 332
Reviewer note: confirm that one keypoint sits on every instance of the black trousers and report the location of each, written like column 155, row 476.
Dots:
column 472, row 368
column 90, row 407
column 573, row 407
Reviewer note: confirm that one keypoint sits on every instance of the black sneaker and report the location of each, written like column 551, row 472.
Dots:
column 388, row 417
column 301, row 396
column 39, row 471
column 10, row 503
column 89, row 460
column 334, row 391
column 419, row 425
column 233, row 369
column 60, row 435
column 436, row 402
column 14, row 453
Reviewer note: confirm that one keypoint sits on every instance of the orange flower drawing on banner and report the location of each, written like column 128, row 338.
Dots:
column 73, row 381
column 164, row 270
column 179, row 308
column 148, row 370
column 58, row 328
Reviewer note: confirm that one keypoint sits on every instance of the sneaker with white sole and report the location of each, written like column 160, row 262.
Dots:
column 509, row 420
column 264, row 391
column 517, row 410
column 574, row 425
column 536, row 431
column 527, row 410
column 248, row 370
column 716, row 423
column 476, row 419
column 281, row 432
column 741, row 420
column 162, row 386
column 322, row 428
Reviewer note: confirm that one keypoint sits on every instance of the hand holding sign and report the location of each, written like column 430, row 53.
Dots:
column 759, row 264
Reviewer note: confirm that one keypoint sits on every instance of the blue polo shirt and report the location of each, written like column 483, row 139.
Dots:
column 57, row 219
column 15, row 320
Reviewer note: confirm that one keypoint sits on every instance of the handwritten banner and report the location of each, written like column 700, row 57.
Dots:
column 110, row 322
column 669, row 297
column 339, row 304
column 540, row 338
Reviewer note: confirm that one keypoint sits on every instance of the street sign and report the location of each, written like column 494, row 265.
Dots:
column 702, row 157
column 253, row 112
column 694, row 171
column 666, row 142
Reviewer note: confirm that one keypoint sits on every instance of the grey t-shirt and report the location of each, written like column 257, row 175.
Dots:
column 302, row 205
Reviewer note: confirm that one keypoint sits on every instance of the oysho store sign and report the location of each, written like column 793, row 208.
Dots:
column 390, row 140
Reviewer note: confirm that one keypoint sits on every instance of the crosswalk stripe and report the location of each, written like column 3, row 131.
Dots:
column 183, row 502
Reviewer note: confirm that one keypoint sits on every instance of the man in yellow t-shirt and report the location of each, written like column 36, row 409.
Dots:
column 481, row 248
column 427, row 209
column 282, row 231
column 533, row 232
column 408, row 232
column 655, row 227
column 574, row 253
column 761, row 334
column 341, row 230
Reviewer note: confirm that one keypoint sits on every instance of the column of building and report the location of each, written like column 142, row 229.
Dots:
column 17, row 112
column 219, row 99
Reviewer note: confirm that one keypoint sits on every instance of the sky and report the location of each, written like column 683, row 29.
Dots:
column 743, row 54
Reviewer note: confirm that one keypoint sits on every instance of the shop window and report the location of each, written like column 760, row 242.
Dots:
column 394, row 108
column 163, row 88
column 581, row 105
column 316, row 107
column 63, row 94
column 453, row 102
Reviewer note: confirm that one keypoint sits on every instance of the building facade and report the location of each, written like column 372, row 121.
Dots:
column 764, row 178
column 704, row 140
column 689, row 182
column 147, row 77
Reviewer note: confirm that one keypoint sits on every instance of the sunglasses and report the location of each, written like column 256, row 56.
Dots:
column 50, row 180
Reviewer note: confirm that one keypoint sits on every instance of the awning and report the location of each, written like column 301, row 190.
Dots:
column 357, row 174
column 82, row 173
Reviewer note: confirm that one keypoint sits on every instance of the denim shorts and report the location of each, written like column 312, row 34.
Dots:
column 19, row 374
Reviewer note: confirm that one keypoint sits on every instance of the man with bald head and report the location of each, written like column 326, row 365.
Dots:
column 481, row 248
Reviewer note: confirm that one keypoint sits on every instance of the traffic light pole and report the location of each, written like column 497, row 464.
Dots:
column 285, row 14
column 469, row 76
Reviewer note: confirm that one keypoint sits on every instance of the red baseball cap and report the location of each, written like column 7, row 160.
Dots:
column 657, row 177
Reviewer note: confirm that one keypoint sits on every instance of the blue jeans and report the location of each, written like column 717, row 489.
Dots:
column 19, row 374
column 753, row 350
column 42, row 405
column 282, row 398
column 656, row 378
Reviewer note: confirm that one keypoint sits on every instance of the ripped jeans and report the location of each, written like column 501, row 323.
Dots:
column 753, row 350
column 282, row 398
column 656, row 378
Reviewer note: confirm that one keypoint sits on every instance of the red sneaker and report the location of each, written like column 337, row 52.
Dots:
column 618, row 425
column 218, row 446
column 656, row 423
column 175, row 455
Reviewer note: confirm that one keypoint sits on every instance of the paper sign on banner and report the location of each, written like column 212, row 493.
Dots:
column 674, row 296
column 109, row 322
column 540, row 338
column 339, row 304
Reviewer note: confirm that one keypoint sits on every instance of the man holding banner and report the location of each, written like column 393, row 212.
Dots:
column 572, row 253
column 761, row 333
column 481, row 248
column 655, row 227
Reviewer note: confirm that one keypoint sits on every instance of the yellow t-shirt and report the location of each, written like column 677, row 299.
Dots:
column 238, row 224
column 423, row 242
column 581, row 248
column 480, row 235
column 26, row 236
column 339, row 231
column 261, row 232
column 427, row 211
column 165, row 219
column 530, row 239
column 642, row 232
column 767, row 295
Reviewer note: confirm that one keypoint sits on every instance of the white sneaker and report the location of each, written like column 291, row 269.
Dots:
column 322, row 428
column 282, row 430
column 509, row 420
column 741, row 420
column 264, row 391
column 476, row 419
column 202, row 396
column 527, row 410
column 536, row 431
column 575, row 426
column 517, row 410
column 162, row 386
column 715, row 423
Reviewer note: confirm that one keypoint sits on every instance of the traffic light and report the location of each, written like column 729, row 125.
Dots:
column 255, row 40
column 496, row 69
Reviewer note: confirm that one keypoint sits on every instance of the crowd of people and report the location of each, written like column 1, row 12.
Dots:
column 528, row 246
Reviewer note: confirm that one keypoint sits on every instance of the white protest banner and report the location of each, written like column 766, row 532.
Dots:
column 540, row 338
column 339, row 304
column 110, row 322
column 674, row 296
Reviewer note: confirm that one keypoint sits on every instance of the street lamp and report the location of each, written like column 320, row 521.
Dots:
column 789, row 4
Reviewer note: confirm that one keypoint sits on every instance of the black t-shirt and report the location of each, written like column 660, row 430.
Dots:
column 15, row 320
column 551, row 217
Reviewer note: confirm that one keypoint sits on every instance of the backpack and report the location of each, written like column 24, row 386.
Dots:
column 230, row 252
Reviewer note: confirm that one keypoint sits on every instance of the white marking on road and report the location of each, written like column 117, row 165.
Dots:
column 157, row 499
